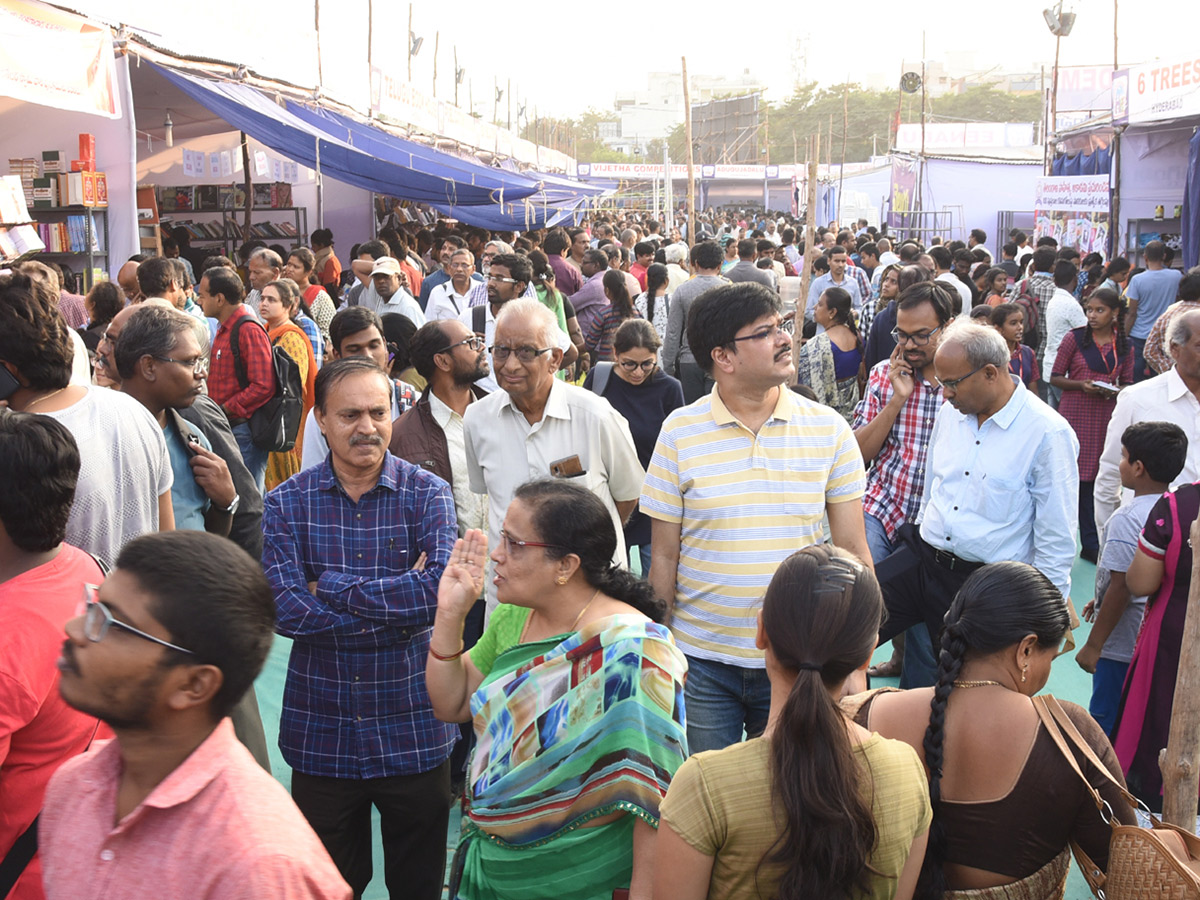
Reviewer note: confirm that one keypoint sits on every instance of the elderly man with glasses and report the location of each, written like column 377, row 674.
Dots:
column 536, row 426
column 1002, row 483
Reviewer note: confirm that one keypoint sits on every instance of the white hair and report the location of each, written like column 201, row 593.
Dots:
column 1179, row 332
column 532, row 310
column 504, row 247
column 675, row 253
column 983, row 344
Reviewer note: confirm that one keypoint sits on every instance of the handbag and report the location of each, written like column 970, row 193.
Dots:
column 1162, row 861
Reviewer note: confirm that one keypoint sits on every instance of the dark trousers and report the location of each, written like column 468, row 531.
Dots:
column 414, row 815
column 1089, row 537
column 1140, row 372
column 917, row 588
column 694, row 381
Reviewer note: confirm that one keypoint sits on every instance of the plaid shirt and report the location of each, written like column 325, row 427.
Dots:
column 355, row 705
column 896, row 478
column 313, row 333
column 255, row 349
column 1041, row 289
column 864, row 283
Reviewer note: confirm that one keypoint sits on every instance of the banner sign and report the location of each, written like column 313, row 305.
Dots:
column 1154, row 92
column 56, row 59
column 1082, row 193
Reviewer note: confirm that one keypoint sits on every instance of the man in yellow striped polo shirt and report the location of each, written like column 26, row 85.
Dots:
column 739, row 481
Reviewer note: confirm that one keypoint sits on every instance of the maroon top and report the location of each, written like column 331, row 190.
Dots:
column 1087, row 413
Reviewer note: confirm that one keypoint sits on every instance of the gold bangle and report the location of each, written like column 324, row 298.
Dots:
column 449, row 658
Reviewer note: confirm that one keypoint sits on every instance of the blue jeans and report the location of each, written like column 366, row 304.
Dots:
column 722, row 701
column 1107, row 683
column 255, row 459
column 1139, row 359
column 919, row 666
column 878, row 542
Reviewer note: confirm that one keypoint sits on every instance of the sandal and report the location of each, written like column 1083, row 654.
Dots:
column 889, row 669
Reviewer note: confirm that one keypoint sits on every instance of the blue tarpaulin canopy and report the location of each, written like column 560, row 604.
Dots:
column 378, row 161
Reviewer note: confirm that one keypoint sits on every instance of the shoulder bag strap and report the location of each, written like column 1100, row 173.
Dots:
column 479, row 319
column 600, row 381
column 1072, row 732
column 1050, row 723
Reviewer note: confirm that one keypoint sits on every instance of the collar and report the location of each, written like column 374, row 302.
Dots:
column 557, row 404
column 1010, row 410
column 1175, row 386
column 442, row 414
column 722, row 416
column 389, row 476
column 238, row 311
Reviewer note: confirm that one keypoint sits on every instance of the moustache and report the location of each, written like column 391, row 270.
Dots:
column 366, row 439
column 68, row 654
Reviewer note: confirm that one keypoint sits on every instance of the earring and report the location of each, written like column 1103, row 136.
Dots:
column 560, row 581
column 1024, row 669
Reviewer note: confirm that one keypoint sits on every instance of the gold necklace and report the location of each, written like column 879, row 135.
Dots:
column 979, row 683
column 586, row 606
column 34, row 403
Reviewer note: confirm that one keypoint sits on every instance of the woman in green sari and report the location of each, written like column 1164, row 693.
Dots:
column 576, row 690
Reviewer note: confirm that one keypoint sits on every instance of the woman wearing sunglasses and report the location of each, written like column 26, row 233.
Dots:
column 645, row 395
column 576, row 691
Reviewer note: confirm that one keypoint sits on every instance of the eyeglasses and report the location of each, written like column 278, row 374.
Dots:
column 97, row 620
column 645, row 365
column 524, row 354
column 502, row 278
column 953, row 383
column 509, row 542
column 917, row 340
column 769, row 333
column 475, row 342
column 197, row 364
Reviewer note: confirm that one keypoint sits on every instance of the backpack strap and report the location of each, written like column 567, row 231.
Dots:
column 239, row 364
column 600, row 379
column 479, row 319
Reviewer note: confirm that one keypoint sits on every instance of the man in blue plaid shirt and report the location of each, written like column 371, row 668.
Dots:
column 354, row 548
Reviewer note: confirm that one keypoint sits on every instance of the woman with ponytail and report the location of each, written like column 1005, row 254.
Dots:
column 818, row 807
column 1092, row 365
column 1006, row 803
column 576, row 691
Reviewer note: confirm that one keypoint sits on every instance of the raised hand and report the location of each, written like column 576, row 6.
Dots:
column 462, row 579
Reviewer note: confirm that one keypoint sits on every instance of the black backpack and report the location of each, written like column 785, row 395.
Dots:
column 275, row 425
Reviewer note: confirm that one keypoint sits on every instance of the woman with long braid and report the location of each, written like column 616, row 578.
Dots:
column 817, row 807
column 1006, row 803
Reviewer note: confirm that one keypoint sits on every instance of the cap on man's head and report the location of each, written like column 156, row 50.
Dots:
column 386, row 265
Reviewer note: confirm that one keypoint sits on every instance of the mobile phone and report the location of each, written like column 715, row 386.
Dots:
column 569, row 467
column 192, row 446
column 8, row 383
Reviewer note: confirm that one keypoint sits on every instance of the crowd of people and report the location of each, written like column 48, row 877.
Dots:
column 593, row 531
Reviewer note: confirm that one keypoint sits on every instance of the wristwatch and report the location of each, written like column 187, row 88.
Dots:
column 232, row 507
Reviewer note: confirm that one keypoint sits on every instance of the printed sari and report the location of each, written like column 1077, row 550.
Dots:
column 568, row 730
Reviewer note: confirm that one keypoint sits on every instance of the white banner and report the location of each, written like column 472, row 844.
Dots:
column 1156, row 91
column 1079, row 193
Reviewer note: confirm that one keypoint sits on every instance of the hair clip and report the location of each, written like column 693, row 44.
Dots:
column 835, row 575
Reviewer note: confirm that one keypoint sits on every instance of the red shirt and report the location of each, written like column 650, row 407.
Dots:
column 218, row 827
column 255, row 349
column 638, row 271
column 38, row 731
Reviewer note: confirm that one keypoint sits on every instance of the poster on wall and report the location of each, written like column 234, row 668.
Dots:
column 904, row 188
column 1074, row 211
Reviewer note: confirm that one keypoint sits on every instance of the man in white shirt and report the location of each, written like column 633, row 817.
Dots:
column 1173, row 396
column 450, row 298
column 263, row 267
column 1063, row 313
column 508, row 278
column 387, row 293
column 538, row 427
column 944, row 262
column 1002, row 483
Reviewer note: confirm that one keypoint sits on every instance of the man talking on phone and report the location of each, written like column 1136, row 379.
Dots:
column 893, row 424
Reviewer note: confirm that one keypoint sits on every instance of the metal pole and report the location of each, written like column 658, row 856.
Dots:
column 691, row 182
column 456, row 75
column 320, row 191
column 668, row 191
column 921, row 159
column 408, row 47
column 436, row 37
column 1052, row 130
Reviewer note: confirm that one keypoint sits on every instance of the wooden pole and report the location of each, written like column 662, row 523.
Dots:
column 845, row 126
column 1180, row 760
column 810, row 239
column 408, row 45
column 248, row 187
column 437, row 35
column 691, row 163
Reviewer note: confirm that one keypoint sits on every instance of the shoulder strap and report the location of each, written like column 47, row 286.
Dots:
column 479, row 319
column 239, row 364
column 600, row 381
column 19, row 856
column 1055, row 720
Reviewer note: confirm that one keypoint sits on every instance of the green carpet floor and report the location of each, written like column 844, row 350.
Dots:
column 1067, row 681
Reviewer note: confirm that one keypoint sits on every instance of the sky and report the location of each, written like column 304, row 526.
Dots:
column 565, row 58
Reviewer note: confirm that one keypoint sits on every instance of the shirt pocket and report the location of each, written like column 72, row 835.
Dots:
column 1001, row 498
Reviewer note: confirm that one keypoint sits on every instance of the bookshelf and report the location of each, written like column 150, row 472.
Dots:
column 222, row 228
column 77, row 236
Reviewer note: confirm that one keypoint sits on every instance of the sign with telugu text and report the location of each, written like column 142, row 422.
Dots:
column 1154, row 92
column 1080, row 193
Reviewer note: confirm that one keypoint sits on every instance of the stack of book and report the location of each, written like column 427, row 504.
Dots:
column 26, row 169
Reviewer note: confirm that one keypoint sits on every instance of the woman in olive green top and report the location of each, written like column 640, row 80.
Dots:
column 818, row 806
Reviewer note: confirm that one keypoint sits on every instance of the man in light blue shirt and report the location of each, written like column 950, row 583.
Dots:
column 1001, row 483
column 835, row 277
column 1149, row 294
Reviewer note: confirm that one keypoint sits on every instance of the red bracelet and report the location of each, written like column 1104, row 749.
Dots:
column 450, row 658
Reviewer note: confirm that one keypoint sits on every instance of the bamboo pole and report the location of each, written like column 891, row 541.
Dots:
column 691, row 164
column 249, row 187
column 845, row 127
column 810, row 239
column 1180, row 760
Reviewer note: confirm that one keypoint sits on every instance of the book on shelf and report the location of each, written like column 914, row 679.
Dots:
column 13, row 209
column 208, row 197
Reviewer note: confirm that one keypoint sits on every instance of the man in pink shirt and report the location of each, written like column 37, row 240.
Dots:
column 175, row 806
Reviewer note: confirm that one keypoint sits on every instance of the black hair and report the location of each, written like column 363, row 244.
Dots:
column 156, row 276
column 909, row 252
column 225, row 282
column 375, row 249
column 941, row 257
column 633, row 333
column 997, row 607
column 212, row 599
column 839, row 302
column 106, row 302
column 1002, row 311
column 332, row 373
column 1044, row 258
column 980, row 235
column 322, row 237
column 707, row 255
column 593, row 256
column 747, row 248
column 1189, row 285
column 1161, row 447
column 1117, row 266
column 519, row 267
column 428, row 341
column 1010, row 249
column 151, row 330
column 1047, row 241
column 1066, row 274
column 1112, row 299
column 556, row 241
column 870, row 248
column 33, row 335
column 351, row 320
column 41, row 468
column 618, row 292
column 398, row 331
column 937, row 294
column 577, row 522
column 716, row 316
column 216, row 261
column 821, row 614
column 643, row 248
column 982, row 312
column 656, row 276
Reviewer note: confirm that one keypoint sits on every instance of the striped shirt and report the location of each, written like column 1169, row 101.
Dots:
column 745, row 502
